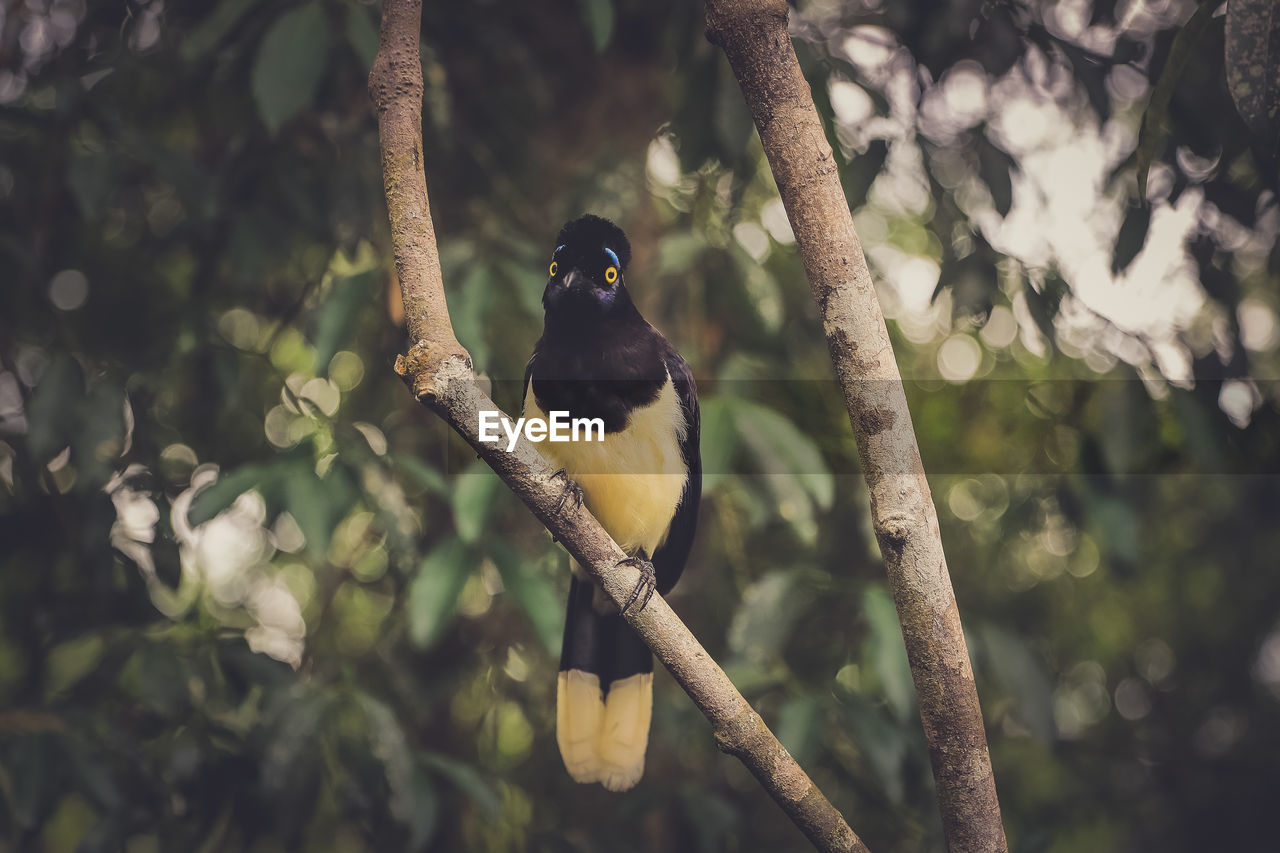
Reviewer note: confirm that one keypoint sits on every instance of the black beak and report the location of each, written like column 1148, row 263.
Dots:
column 569, row 288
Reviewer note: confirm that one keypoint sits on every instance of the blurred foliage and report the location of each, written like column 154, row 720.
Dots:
column 252, row 597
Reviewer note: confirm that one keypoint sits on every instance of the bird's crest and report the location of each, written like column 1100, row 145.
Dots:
column 595, row 232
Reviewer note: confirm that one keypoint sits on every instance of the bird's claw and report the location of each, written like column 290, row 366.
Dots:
column 648, row 581
column 570, row 489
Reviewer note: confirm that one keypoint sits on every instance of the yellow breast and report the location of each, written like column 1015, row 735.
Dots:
column 632, row 481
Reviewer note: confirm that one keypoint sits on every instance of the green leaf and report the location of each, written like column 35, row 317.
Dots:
column 301, row 718
column 1091, row 74
column 53, row 414
column 677, row 253
column 752, row 679
column 527, row 285
column 426, row 810
column 713, row 819
column 275, row 478
column 34, row 760
column 71, row 661
column 1155, row 122
column 1132, row 236
column 469, row 304
column 213, row 499
column 769, row 611
column 362, row 33
column 782, row 447
column 466, row 779
column 433, row 595
column 339, row 314
column 100, row 439
column 534, row 590
column 1253, row 68
column 761, row 289
column 996, row 168
column 818, row 73
column 883, row 743
column 975, row 285
column 791, row 467
column 730, row 117
column 1128, row 421
column 887, row 653
column 390, row 747
column 309, row 506
column 317, row 503
column 800, row 727
column 1023, row 677
column 157, row 679
column 1203, row 428
column 1118, row 524
column 289, row 65
column 1045, row 302
column 92, row 177
column 598, row 16
column 475, row 493
column 214, row 28
column 421, row 473
column 861, row 172
column 93, row 776
column 719, row 439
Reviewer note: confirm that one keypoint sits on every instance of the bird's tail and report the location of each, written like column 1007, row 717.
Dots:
column 604, row 695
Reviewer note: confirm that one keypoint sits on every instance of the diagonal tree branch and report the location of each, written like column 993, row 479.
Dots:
column 438, row 370
column 754, row 37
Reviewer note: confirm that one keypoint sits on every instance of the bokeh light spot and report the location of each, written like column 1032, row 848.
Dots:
column 276, row 426
column 68, row 290
column 959, row 358
column 1001, row 328
column 1132, row 700
column 324, row 394
column 346, row 369
column 240, row 327
column 1259, row 330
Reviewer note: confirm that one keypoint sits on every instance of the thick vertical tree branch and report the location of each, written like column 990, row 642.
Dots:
column 754, row 37
column 395, row 85
column 438, row 369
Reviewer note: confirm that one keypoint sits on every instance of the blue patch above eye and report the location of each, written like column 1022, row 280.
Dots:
column 558, row 250
column 612, row 256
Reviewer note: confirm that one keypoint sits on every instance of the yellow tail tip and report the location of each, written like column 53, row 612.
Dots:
column 603, row 739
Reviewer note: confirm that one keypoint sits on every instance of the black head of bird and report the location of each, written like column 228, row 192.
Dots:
column 586, row 276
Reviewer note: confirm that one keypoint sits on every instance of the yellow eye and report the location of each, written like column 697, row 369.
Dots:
column 611, row 274
column 554, row 267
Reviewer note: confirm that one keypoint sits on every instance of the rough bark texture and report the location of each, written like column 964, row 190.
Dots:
column 438, row 369
column 395, row 85
column 754, row 37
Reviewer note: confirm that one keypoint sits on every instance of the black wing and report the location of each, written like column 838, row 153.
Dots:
column 528, row 375
column 669, row 560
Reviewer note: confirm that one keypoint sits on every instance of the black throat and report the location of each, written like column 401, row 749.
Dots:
column 602, row 367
